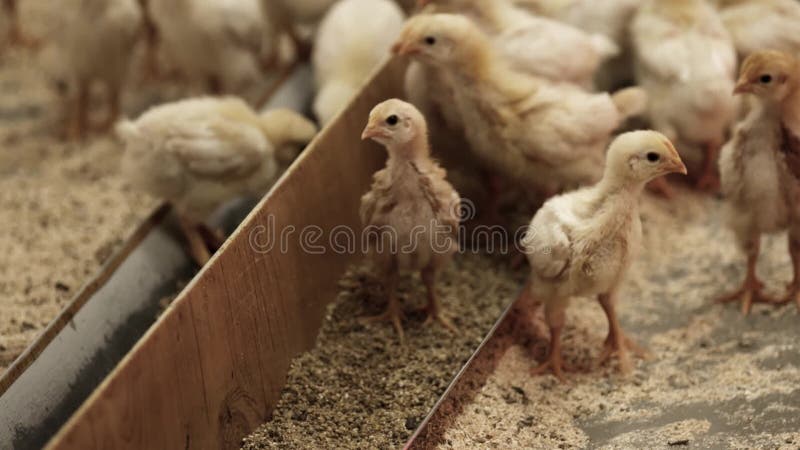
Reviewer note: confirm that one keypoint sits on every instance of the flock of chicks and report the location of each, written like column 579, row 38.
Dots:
column 500, row 78
column 514, row 88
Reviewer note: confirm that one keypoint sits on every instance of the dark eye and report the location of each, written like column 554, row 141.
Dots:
column 430, row 40
column 653, row 157
column 392, row 120
column 765, row 79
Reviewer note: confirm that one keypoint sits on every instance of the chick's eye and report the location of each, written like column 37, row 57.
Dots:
column 430, row 40
column 653, row 157
column 392, row 120
column 765, row 79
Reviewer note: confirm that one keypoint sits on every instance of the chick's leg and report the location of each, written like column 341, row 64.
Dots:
column 79, row 116
column 709, row 179
column 434, row 309
column 554, row 316
column 197, row 246
column 16, row 36
column 113, row 108
column 616, row 341
column 392, row 313
column 752, row 288
column 793, row 293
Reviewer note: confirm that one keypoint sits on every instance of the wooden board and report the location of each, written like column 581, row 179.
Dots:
column 212, row 368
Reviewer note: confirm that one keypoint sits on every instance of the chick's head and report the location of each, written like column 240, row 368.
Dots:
column 441, row 39
column 397, row 125
column 768, row 74
column 640, row 156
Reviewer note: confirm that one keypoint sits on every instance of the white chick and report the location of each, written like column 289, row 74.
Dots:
column 686, row 61
column 287, row 15
column 411, row 213
column 610, row 18
column 344, row 56
column 542, row 136
column 762, row 24
column 199, row 153
column 216, row 42
column 94, row 44
column 536, row 45
column 759, row 178
column 582, row 243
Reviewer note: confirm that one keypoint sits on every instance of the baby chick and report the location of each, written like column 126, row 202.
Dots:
column 344, row 56
column 216, row 42
column 686, row 61
column 762, row 24
column 759, row 180
column 537, row 45
column 542, row 136
column 94, row 44
column 200, row 153
column 411, row 213
column 582, row 243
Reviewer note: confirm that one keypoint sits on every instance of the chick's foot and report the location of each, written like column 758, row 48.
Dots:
column 392, row 315
column 752, row 291
column 793, row 295
column 621, row 346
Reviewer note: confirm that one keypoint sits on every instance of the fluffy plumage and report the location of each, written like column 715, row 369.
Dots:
column 344, row 56
column 536, row 45
column 762, row 24
column 200, row 153
column 760, row 186
column 217, row 42
column 93, row 43
column 412, row 199
column 582, row 243
column 543, row 136
column 686, row 61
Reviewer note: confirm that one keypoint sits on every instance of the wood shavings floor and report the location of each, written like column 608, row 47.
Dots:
column 718, row 380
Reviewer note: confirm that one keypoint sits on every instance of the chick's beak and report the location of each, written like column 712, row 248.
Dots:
column 674, row 163
column 373, row 131
column 743, row 87
column 402, row 47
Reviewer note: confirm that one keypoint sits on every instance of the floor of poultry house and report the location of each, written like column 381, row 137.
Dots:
column 717, row 379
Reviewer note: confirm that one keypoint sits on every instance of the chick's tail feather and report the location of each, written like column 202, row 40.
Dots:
column 286, row 128
column 334, row 96
column 125, row 130
column 630, row 102
column 604, row 46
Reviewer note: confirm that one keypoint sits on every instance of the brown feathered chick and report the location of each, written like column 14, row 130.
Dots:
column 410, row 214
column 760, row 167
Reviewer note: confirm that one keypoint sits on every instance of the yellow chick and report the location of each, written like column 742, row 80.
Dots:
column 345, row 56
column 215, row 42
column 762, row 24
column 539, row 135
column 686, row 61
column 94, row 44
column 411, row 213
column 760, row 177
column 199, row 153
column 536, row 45
column 583, row 242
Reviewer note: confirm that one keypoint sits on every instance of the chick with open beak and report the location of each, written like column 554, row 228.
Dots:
column 411, row 213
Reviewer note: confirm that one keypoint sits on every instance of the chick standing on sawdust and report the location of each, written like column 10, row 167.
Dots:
column 543, row 136
column 582, row 243
column 94, row 44
column 685, row 59
column 537, row 45
column 413, row 201
column 762, row 24
column 760, row 167
column 200, row 153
